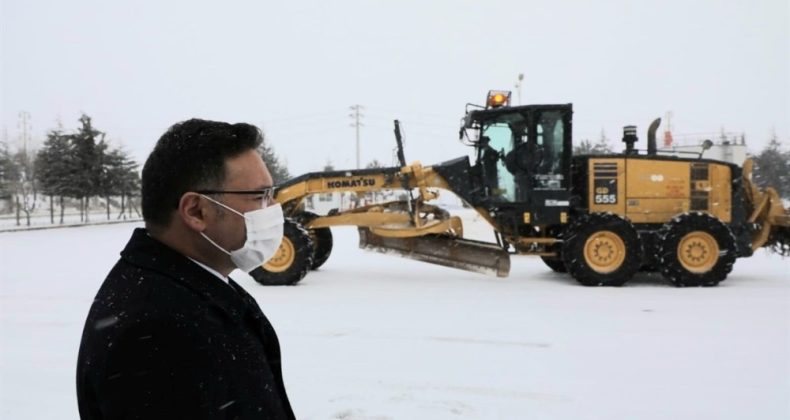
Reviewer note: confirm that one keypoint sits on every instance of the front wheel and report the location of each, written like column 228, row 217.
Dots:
column 602, row 249
column 292, row 260
column 321, row 237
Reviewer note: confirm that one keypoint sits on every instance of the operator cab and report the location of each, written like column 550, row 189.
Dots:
column 523, row 155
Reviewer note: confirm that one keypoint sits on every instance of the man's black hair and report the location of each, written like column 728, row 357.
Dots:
column 190, row 156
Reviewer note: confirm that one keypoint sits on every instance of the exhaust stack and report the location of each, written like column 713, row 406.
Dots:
column 651, row 137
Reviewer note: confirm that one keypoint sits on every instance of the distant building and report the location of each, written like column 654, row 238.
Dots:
column 324, row 203
column 726, row 147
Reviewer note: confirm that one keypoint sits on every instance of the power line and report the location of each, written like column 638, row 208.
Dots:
column 300, row 118
column 415, row 113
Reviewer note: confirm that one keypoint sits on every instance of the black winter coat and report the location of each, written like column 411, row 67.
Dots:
column 166, row 339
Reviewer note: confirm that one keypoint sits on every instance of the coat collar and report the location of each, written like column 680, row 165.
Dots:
column 146, row 252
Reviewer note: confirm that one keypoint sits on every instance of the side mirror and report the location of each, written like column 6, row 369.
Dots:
column 707, row 144
column 469, row 136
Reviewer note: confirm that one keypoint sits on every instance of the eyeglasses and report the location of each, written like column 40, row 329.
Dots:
column 267, row 194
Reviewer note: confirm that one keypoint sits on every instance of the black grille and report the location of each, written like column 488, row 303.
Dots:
column 699, row 171
column 699, row 200
column 605, row 169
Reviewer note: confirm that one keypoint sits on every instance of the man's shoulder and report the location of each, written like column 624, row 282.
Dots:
column 147, row 268
column 152, row 283
column 133, row 300
column 142, row 294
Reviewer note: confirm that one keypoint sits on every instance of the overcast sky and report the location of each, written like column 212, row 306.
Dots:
column 295, row 67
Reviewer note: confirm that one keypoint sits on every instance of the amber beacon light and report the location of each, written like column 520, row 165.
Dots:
column 497, row 98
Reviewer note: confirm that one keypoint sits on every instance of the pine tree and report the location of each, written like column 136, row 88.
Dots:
column 119, row 177
column 88, row 145
column 374, row 164
column 130, row 183
column 111, row 176
column 53, row 163
column 278, row 169
column 584, row 148
column 9, row 173
column 602, row 146
column 55, row 171
column 26, row 186
column 82, row 165
column 772, row 168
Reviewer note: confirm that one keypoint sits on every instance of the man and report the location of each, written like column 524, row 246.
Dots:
column 489, row 157
column 169, row 335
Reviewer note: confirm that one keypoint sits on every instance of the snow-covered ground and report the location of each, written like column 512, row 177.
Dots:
column 371, row 336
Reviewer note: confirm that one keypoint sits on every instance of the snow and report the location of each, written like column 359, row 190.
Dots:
column 371, row 336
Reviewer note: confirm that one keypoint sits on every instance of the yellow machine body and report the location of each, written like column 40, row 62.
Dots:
column 655, row 190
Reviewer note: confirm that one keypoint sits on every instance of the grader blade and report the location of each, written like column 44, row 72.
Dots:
column 464, row 254
column 768, row 215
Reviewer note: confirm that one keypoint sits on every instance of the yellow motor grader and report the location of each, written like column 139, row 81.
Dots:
column 601, row 218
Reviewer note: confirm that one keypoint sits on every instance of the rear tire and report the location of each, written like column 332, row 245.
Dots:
column 696, row 250
column 555, row 264
column 322, row 239
column 602, row 249
column 291, row 261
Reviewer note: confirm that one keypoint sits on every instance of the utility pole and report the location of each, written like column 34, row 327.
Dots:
column 24, row 129
column 356, row 115
column 519, row 82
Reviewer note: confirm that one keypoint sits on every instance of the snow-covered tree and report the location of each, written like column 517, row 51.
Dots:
column 602, row 146
column 26, row 186
column 584, row 148
column 82, row 165
column 9, row 173
column 374, row 164
column 772, row 167
column 55, row 169
column 277, row 168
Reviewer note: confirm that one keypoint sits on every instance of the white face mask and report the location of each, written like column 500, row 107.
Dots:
column 264, row 234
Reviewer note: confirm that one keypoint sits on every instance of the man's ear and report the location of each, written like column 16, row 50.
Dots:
column 192, row 212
